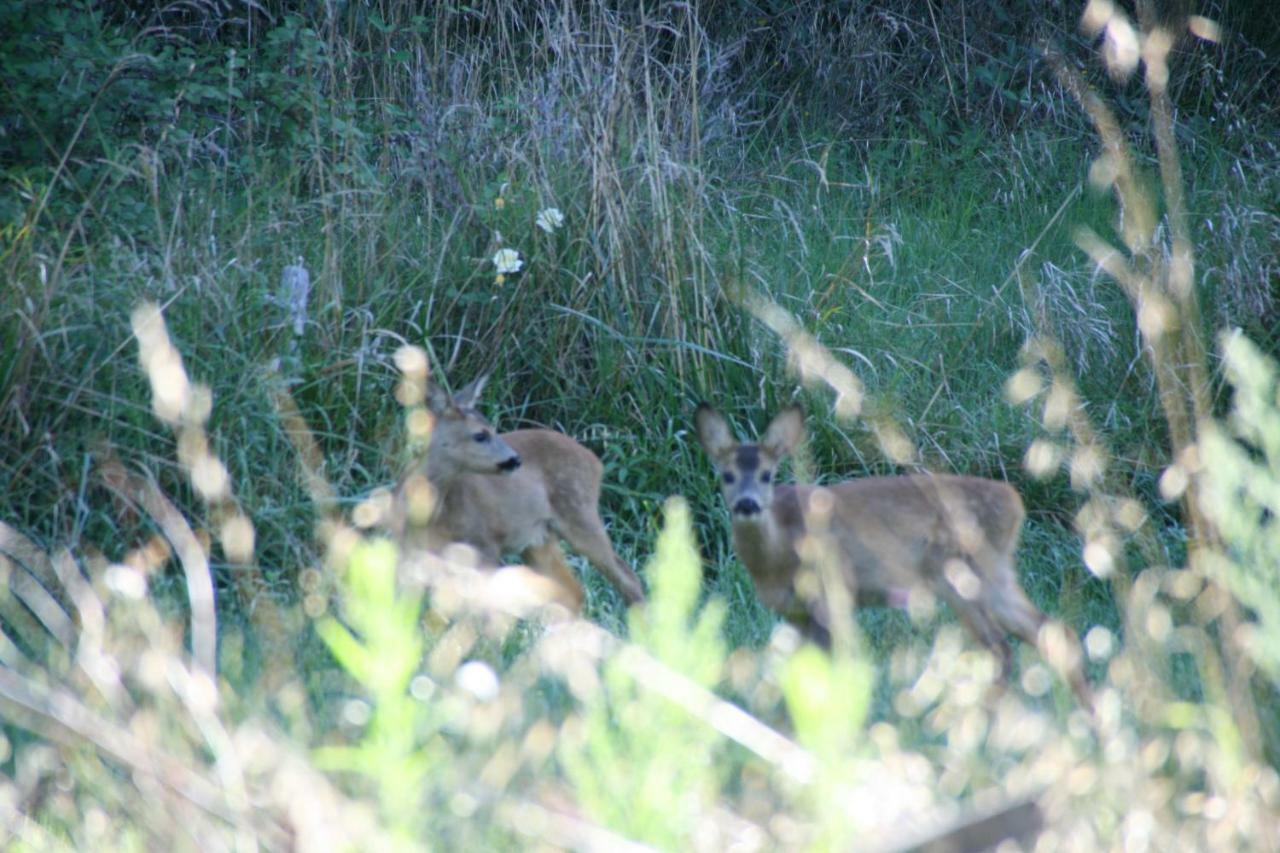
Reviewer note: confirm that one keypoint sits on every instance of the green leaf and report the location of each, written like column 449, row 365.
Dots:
column 827, row 700
column 346, row 649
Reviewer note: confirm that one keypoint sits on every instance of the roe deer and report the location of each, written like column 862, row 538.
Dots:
column 516, row 492
column 953, row 535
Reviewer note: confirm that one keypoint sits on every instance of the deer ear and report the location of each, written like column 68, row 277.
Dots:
column 713, row 431
column 785, row 431
column 466, row 398
column 438, row 399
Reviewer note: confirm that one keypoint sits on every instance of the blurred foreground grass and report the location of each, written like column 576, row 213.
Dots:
column 202, row 650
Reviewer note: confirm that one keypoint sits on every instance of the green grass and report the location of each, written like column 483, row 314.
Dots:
column 913, row 289
column 907, row 247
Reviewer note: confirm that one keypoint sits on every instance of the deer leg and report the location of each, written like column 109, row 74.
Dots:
column 549, row 561
column 815, row 628
column 585, row 532
column 981, row 626
column 1015, row 612
column 1073, row 669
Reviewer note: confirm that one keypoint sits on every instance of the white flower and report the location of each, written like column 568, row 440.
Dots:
column 507, row 260
column 550, row 219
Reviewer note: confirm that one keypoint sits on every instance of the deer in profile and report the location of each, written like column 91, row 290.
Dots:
column 509, row 493
column 954, row 535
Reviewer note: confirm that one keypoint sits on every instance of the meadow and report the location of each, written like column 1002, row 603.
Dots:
column 1010, row 244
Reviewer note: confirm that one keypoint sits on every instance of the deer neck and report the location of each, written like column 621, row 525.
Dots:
column 442, row 472
column 764, row 544
column 445, row 481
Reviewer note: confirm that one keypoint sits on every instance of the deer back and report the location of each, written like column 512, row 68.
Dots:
column 889, row 533
column 897, row 532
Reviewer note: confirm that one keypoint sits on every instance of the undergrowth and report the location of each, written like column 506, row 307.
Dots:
column 303, row 193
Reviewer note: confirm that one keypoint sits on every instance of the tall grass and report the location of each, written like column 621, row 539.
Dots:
column 919, row 233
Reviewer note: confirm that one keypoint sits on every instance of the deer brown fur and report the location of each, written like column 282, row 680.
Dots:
column 954, row 535
column 510, row 493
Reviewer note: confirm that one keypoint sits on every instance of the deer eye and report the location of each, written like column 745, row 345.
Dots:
column 481, row 437
column 766, row 476
column 729, row 477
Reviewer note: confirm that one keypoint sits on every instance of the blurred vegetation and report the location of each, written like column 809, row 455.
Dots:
column 906, row 180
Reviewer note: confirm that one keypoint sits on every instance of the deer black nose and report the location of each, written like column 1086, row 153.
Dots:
column 509, row 465
column 746, row 506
